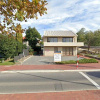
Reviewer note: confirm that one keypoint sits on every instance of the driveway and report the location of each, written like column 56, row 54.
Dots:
column 42, row 60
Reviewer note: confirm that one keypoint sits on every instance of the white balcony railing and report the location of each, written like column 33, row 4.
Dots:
column 63, row 44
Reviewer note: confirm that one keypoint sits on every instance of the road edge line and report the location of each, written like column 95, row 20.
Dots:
column 93, row 82
column 45, row 71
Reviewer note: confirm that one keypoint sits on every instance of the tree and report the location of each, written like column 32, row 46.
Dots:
column 89, row 39
column 20, row 10
column 81, row 35
column 19, row 31
column 96, row 38
column 7, row 46
column 19, row 38
column 33, row 36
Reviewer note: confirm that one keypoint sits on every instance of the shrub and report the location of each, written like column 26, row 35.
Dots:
column 98, row 56
column 80, row 61
column 7, row 46
column 88, row 61
column 67, row 62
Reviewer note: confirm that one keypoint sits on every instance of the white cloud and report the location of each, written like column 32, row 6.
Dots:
column 68, row 15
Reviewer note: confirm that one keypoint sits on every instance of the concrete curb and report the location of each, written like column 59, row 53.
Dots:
column 45, row 71
column 25, row 60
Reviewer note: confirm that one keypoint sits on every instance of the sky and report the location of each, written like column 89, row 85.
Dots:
column 68, row 15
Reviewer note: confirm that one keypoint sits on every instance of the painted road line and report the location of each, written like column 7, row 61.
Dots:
column 46, row 71
column 93, row 82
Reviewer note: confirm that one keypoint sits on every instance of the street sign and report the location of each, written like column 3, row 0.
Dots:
column 57, row 56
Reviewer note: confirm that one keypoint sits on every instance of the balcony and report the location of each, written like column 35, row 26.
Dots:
column 63, row 44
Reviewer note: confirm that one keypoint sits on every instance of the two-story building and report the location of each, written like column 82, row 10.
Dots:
column 64, row 41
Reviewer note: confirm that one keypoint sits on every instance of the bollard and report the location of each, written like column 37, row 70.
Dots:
column 77, row 61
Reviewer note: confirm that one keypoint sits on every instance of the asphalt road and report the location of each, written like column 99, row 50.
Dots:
column 48, row 82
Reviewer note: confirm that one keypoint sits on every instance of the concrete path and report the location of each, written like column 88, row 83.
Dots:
column 42, row 60
column 92, row 66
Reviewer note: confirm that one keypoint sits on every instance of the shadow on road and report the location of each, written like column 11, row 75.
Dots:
column 95, row 74
column 56, row 79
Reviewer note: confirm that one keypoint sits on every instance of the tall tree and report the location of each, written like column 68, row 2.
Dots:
column 19, row 31
column 20, row 10
column 96, row 38
column 7, row 46
column 33, row 36
column 89, row 39
column 81, row 35
column 19, row 38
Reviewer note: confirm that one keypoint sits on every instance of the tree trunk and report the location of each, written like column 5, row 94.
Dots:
column 88, row 47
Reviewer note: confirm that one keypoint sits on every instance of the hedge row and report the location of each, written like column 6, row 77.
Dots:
column 80, row 61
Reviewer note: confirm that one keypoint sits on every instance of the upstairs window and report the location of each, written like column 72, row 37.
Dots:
column 67, row 39
column 49, row 39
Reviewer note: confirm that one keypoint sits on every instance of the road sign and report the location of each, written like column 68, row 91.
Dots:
column 57, row 56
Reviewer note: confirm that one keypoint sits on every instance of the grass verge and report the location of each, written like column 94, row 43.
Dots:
column 11, row 62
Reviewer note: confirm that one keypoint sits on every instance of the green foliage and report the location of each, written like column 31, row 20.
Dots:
column 98, row 56
column 88, row 61
column 88, row 37
column 67, row 62
column 20, row 10
column 24, row 46
column 19, row 48
column 81, row 35
column 7, row 46
column 31, row 51
column 80, row 61
column 32, row 35
column 96, row 38
column 2, row 60
column 19, row 32
column 11, row 62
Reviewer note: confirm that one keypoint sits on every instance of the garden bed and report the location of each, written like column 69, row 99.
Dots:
column 81, row 61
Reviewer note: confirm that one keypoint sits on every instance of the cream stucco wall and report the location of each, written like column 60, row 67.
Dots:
column 74, row 51
column 49, row 46
column 49, row 51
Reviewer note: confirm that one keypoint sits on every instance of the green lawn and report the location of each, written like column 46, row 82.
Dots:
column 7, row 63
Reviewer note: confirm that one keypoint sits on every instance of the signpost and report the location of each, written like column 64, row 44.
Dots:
column 57, row 56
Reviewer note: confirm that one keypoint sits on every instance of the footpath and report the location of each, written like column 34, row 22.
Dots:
column 72, row 95
column 92, row 66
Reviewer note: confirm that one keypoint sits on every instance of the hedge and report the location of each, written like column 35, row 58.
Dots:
column 80, row 61
column 88, row 61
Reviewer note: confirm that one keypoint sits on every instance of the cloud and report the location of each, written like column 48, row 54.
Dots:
column 68, row 15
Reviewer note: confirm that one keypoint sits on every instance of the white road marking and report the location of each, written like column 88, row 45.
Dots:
column 93, row 82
